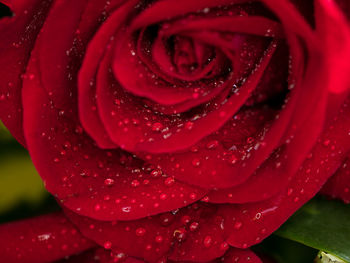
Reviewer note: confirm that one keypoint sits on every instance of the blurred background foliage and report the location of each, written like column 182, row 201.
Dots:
column 22, row 193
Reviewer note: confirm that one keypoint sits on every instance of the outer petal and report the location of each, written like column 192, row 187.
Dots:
column 192, row 234
column 339, row 184
column 148, row 238
column 59, row 69
column 18, row 35
column 42, row 239
column 344, row 6
column 258, row 220
column 99, row 255
column 336, row 42
column 240, row 256
column 105, row 185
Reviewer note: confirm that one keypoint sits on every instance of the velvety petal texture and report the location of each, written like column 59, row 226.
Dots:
column 339, row 185
column 19, row 33
column 179, row 131
column 42, row 239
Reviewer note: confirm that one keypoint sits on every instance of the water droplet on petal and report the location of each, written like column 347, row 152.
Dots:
column 159, row 239
column 238, row 225
column 163, row 196
column 169, row 181
column 109, row 182
column 224, row 246
column 189, row 125
column 185, row 219
column 126, row 209
column 326, row 142
column 194, row 226
column 212, row 144
column 157, row 126
column 180, row 234
column 107, row 245
column 140, row 232
column 196, row 162
column 135, row 183
column 207, row 242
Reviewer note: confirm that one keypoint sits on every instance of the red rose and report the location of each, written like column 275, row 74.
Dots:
column 185, row 130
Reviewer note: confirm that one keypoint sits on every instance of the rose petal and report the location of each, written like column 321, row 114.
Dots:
column 148, row 238
column 18, row 37
column 338, row 186
column 8, row 3
column 240, row 256
column 255, row 25
column 99, row 255
column 41, row 239
column 176, row 135
column 136, row 78
column 163, row 10
column 336, row 43
column 106, row 185
column 345, row 7
column 292, row 20
column 204, row 238
column 256, row 221
column 86, row 79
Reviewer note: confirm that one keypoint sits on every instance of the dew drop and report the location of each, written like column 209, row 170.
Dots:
column 185, row 219
column 157, row 126
column 97, row 207
column 224, row 246
column 196, row 162
column 238, row 225
column 159, row 239
column 193, row 196
column 156, row 173
column 169, row 181
column 326, row 142
column 126, row 209
column 232, row 159
column 189, row 125
column 194, row 226
column 180, row 234
column 107, row 244
column 212, row 144
column 207, row 242
column 163, row 196
column 109, row 182
column 140, row 232
column 135, row 183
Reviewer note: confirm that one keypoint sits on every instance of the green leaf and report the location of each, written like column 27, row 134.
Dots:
column 19, row 180
column 285, row 251
column 321, row 224
column 4, row 133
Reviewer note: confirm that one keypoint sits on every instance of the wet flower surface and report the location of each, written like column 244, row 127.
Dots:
column 174, row 130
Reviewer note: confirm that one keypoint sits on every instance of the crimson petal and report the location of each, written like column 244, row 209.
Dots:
column 240, row 256
column 99, row 255
column 338, row 186
column 148, row 238
column 101, row 184
column 336, row 43
column 41, row 239
column 18, row 35
column 86, row 79
column 142, row 139
column 256, row 221
column 204, row 241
